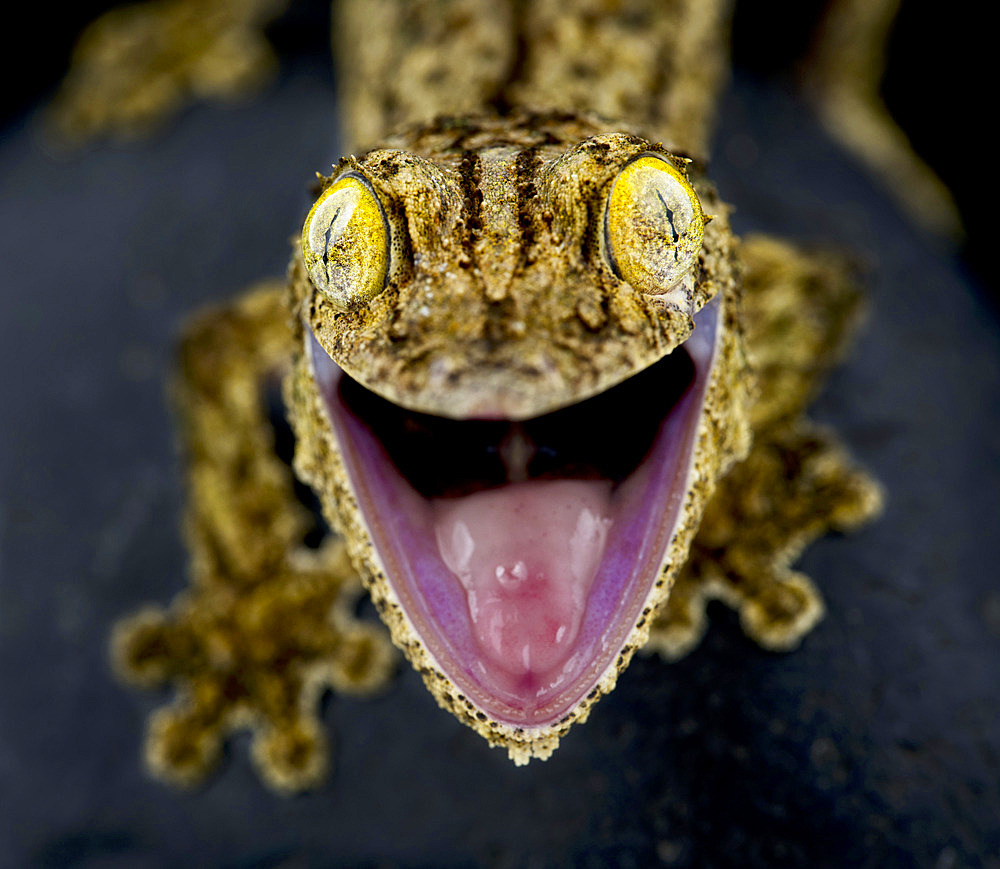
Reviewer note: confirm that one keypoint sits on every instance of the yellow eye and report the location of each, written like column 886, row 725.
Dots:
column 653, row 225
column 345, row 243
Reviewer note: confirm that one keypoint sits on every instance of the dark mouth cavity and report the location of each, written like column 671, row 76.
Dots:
column 604, row 437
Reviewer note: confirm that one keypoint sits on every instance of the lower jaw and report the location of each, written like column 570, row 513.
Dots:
column 599, row 606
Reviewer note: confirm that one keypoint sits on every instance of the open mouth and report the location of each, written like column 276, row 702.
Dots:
column 524, row 553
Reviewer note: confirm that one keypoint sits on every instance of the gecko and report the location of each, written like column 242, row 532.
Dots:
column 548, row 403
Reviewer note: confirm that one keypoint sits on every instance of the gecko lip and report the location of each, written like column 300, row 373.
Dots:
column 523, row 554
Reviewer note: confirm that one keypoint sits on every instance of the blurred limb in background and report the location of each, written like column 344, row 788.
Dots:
column 843, row 77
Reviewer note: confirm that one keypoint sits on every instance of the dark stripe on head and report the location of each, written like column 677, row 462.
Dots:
column 525, row 168
column 470, row 171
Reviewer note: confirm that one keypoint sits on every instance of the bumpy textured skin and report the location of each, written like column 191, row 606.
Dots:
column 501, row 286
column 265, row 626
column 655, row 65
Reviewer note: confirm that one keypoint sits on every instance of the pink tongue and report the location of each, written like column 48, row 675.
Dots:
column 526, row 555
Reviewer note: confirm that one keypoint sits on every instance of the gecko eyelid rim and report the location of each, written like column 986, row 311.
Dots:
column 345, row 243
column 653, row 224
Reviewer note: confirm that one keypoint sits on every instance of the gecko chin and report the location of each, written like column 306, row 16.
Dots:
column 524, row 554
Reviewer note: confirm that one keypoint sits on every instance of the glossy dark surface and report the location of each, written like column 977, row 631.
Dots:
column 876, row 744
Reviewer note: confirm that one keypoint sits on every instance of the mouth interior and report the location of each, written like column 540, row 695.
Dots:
column 522, row 552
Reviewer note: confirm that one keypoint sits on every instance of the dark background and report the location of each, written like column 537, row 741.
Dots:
column 876, row 744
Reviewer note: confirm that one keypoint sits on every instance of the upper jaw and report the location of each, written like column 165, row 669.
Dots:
column 450, row 352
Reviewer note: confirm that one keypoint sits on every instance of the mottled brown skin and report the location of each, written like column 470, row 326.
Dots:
column 655, row 65
column 502, row 290
column 499, row 287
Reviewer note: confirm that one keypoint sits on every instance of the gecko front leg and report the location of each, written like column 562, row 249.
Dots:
column 267, row 624
column 798, row 482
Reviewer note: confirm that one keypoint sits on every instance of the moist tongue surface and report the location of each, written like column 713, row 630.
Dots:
column 526, row 555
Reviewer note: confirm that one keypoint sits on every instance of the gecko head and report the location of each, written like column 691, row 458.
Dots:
column 504, row 275
column 514, row 332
